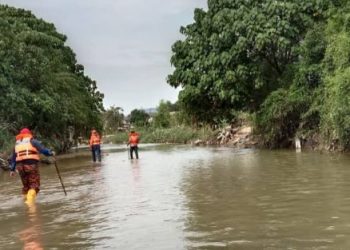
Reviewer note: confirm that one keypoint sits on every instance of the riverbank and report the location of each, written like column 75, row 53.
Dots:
column 177, row 135
column 240, row 136
column 243, row 136
column 236, row 135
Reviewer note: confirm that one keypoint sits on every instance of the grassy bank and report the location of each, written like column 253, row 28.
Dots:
column 6, row 143
column 166, row 135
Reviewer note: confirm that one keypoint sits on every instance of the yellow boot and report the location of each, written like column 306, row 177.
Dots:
column 31, row 195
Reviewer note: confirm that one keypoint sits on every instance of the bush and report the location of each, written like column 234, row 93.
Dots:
column 335, row 118
column 6, row 141
column 180, row 134
column 280, row 115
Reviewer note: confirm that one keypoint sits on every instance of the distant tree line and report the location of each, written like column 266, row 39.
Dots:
column 167, row 123
column 165, row 115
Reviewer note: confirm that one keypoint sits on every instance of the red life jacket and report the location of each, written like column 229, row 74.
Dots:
column 95, row 139
column 134, row 139
column 24, row 149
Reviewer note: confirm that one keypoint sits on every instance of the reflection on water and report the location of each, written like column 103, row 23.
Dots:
column 31, row 234
column 179, row 197
column 274, row 200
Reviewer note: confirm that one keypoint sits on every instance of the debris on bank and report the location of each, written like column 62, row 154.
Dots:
column 4, row 164
column 239, row 136
column 236, row 136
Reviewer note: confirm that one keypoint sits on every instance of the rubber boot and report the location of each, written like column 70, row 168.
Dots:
column 31, row 195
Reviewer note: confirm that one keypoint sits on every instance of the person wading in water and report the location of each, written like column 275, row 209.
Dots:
column 95, row 145
column 134, row 139
column 25, row 159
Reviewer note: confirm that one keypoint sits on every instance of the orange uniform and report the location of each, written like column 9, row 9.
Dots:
column 95, row 138
column 134, row 139
column 95, row 145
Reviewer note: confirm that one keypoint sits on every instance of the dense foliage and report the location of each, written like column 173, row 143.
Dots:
column 113, row 119
column 174, row 134
column 167, row 124
column 236, row 53
column 165, row 116
column 335, row 111
column 139, row 117
column 286, row 61
column 42, row 85
column 162, row 117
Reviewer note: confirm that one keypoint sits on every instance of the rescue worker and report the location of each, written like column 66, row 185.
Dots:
column 134, row 139
column 25, row 159
column 95, row 145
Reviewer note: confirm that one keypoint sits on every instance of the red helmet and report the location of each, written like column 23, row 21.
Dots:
column 25, row 131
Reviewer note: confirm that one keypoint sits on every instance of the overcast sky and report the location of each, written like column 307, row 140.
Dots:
column 125, row 45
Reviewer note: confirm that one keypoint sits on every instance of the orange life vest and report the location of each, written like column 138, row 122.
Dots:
column 24, row 148
column 95, row 139
column 133, row 139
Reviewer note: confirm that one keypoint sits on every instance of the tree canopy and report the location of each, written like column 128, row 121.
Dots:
column 284, row 61
column 42, row 85
column 237, row 52
column 139, row 117
column 113, row 119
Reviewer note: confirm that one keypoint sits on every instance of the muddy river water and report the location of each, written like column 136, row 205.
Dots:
column 183, row 197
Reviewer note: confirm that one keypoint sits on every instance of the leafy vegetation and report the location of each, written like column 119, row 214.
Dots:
column 42, row 85
column 237, row 52
column 182, row 134
column 286, row 62
column 139, row 117
column 167, row 125
column 113, row 119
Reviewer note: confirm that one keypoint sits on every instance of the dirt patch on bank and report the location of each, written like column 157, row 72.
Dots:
column 235, row 136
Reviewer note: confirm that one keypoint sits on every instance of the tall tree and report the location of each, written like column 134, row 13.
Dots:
column 113, row 119
column 237, row 52
column 139, row 117
column 162, row 117
column 42, row 85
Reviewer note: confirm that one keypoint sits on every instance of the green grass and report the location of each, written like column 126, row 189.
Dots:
column 182, row 134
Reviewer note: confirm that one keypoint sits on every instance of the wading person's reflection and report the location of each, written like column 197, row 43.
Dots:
column 31, row 235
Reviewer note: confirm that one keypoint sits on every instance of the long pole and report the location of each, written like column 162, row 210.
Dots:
column 59, row 176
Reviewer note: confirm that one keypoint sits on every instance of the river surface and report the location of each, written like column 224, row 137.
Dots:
column 183, row 197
